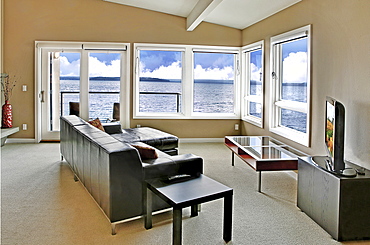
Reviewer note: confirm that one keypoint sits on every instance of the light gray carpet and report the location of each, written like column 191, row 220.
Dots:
column 42, row 204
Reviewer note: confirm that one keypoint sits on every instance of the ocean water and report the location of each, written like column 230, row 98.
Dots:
column 209, row 97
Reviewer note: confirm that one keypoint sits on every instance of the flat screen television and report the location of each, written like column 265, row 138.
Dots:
column 334, row 134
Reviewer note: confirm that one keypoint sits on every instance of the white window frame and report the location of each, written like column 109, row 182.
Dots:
column 159, row 47
column 187, row 81
column 276, row 102
column 83, row 48
column 246, row 74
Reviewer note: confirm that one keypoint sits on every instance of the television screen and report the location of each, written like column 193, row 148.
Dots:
column 329, row 128
column 334, row 133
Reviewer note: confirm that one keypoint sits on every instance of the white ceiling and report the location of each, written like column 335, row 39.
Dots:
column 233, row 13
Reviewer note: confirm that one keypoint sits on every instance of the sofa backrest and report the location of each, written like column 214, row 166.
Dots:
column 105, row 166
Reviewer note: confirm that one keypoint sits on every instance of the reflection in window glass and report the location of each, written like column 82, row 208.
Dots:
column 160, row 83
column 213, row 83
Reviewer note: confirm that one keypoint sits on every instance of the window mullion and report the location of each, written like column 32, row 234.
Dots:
column 187, row 70
column 84, row 85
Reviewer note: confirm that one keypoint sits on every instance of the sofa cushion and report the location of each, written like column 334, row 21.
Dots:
column 153, row 137
column 112, row 128
column 145, row 151
column 96, row 123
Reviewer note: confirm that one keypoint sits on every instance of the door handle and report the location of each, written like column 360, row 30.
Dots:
column 42, row 96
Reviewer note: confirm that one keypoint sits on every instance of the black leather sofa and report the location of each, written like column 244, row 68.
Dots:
column 113, row 171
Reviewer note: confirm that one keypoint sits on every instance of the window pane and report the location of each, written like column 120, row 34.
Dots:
column 66, row 81
column 213, row 83
column 294, row 120
column 294, row 70
column 255, row 109
column 104, row 84
column 255, row 71
column 160, row 81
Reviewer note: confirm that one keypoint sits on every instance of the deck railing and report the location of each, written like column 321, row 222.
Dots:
column 178, row 95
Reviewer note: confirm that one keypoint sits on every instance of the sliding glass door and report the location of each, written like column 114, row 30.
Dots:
column 87, row 82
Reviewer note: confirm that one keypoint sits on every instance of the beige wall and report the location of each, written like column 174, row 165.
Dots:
column 340, row 61
column 95, row 20
column 340, row 67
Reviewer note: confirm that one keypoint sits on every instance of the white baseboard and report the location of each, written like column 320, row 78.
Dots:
column 201, row 140
column 19, row 141
column 292, row 174
column 181, row 140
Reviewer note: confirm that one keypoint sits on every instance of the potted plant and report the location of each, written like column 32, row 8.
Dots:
column 7, row 86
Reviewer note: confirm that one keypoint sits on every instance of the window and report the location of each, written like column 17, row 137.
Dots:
column 185, row 81
column 290, row 76
column 253, row 84
column 213, row 88
column 104, row 83
column 160, row 81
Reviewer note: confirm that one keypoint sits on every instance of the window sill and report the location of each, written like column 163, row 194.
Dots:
column 293, row 135
column 252, row 120
column 177, row 116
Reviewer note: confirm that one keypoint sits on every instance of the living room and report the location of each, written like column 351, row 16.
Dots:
column 339, row 62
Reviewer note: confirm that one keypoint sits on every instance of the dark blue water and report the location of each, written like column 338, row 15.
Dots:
column 209, row 97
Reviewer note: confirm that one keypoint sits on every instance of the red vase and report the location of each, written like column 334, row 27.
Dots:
column 7, row 120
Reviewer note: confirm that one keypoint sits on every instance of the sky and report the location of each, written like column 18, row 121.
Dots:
column 295, row 61
column 168, row 64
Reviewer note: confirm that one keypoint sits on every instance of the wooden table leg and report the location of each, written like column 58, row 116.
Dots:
column 228, row 216
column 177, row 226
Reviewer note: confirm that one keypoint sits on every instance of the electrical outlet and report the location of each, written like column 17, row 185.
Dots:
column 236, row 126
column 138, row 126
column 24, row 126
column 24, row 88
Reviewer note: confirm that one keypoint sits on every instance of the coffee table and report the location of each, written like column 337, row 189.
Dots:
column 263, row 153
column 188, row 193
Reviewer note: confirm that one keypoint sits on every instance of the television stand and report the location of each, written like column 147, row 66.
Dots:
column 340, row 205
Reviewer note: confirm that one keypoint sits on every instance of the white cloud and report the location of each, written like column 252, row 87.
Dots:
column 226, row 73
column 174, row 72
column 255, row 72
column 97, row 68
column 295, row 68
column 101, row 69
column 166, row 72
column 67, row 68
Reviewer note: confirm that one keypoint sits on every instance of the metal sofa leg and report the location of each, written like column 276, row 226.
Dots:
column 113, row 229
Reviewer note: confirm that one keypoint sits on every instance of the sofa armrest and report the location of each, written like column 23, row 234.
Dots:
column 189, row 164
column 112, row 128
column 163, row 167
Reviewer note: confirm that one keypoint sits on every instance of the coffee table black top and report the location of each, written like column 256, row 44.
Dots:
column 189, row 192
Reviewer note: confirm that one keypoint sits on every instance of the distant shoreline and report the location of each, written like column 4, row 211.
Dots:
column 152, row 79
